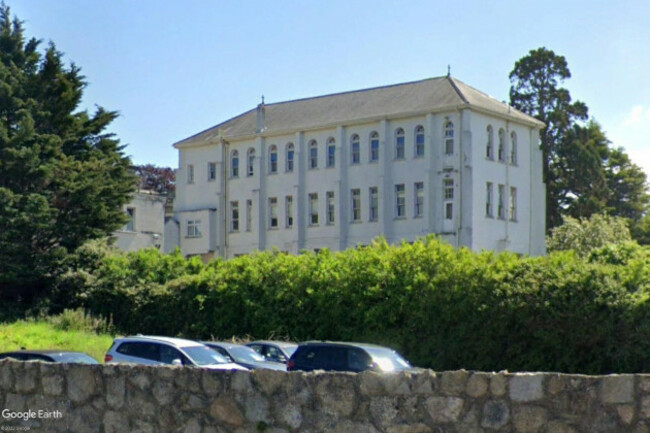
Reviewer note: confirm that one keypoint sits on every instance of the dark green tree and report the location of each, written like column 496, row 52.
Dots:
column 627, row 183
column 63, row 179
column 536, row 90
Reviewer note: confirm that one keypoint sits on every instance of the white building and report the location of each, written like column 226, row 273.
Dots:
column 335, row 171
column 145, row 228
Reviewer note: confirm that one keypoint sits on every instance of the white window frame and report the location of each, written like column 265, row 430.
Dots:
column 512, row 205
column 501, row 205
column 313, row 154
column 418, row 208
column 193, row 229
column 234, row 163
column 449, row 138
column 250, row 162
column 513, row 148
column 355, row 150
column 212, row 171
column 249, row 215
column 400, row 143
column 234, row 216
column 448, row 186
column 313, row 209
column 274, row 222
column 374, row 147
column 331, row 153
column 288, row 211
column 419, row 142
column 330, row 215
column 190, row 173
column 355, row 194
column 489, row 199
column 291, row 153
column 489, row 152
column 273, row 159
column 501, row 151
column 373, row 208
column 400, row 201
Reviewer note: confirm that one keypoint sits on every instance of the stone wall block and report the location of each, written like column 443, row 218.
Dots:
column 240, row 382
column 52, row 385
column 212, row 382
column 617, row 389
column 141, row 426
column 289, row 415
column 626, row 413
column 454, row 382
column 26, row 379
column 409, row 428
column 15, row 402
column 477, row 385
column 645, row 407
column 256, row 408
column 444, row 409
column 84, row 420
column 526, row 387
column 268, row 381
column 83, row 382
column 398, row 383
column 336, row 393
column 384, row 410
column 499, row 384
column 6, row 376
column 225, row 410
column 496, row 414
column 115, row 391
column 529, row 419
column 140, row 379
column 425, row 382
column 164, row 392
column 115, row 422
column 371, row 383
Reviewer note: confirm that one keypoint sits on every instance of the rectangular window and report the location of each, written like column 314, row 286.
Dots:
column 399, row 147
column 419, row 199
column 190, row 173
column 313, row 155
column 449, row 211
column 273, row 162
column 419, row 144
column 130, row 224
column 449, row 189
column 489, row 200
column 313, row 209
column 193, row 229
column 400, row 201
column 448, row 194
column 249, row 215
column 501, row 208
column 331, row 207
column 290, row 154
column 373, row 211
column 234, row 216
column 288, row 210
column 356, row 205
column 273, row 212
column 212, row 171
column 374, row 149
column 331, row 155
column 512, row 208
column 356, row 152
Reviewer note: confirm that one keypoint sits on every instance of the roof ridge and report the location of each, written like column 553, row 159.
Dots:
column 452, row 81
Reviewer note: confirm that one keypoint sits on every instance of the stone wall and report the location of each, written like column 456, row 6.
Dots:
column 140, row 399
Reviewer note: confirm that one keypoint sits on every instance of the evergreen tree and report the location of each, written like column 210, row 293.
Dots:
column 63, row 179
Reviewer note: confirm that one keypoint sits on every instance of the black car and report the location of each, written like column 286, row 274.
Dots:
column 340, row 356
column 275, row 351
column 49, row 356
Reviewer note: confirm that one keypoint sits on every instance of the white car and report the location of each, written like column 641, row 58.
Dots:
column 154, row 350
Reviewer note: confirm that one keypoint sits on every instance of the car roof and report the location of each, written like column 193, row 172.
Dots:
column 277, row 343
column 342, row 344
column 224, row 344
column 178, row 342
column 39, row 352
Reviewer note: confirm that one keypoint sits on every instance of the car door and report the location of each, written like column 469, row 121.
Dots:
column 273, row 353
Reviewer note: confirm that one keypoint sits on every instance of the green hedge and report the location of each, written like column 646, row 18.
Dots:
column 443, row 308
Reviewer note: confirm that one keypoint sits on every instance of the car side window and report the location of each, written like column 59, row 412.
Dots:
column 336, row 358
column 257, row 347
column 35, row 357
column 272, row 353
column 168, row 354
column 223, row 352
column 358, row 360
column 140, row 350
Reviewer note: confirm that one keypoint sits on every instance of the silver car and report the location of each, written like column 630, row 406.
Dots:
column 154, row 350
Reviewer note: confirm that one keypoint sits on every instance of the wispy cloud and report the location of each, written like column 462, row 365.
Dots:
column 638, row 114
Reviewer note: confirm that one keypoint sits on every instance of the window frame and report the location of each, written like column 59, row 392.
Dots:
column 274, row 221
column 313, row 208
column 212, row 171
column 418, row 202
column 250, row 162
column 373, row 205
column 419, row 142
column 273, row 159
column 449, row 138
column 330, row 203
column 234, row 216
column 313, row 154
column 400, row 144
column 331, row 153
column 400, row 201
column 234, row 163
column 373, row 146
column 355, row 195
column 290, row 157
column 355, row 150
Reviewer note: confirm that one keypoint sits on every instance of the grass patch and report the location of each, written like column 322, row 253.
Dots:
column 32, row 334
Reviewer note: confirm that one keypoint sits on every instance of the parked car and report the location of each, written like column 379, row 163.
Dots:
column 275, row 351
column 341, row 356
column 154, row 350
column 52, row 355
column 244, row 356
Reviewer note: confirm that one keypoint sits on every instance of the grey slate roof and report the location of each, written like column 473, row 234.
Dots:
column 429, row 95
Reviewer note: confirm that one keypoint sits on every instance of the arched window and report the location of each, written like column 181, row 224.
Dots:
column 399, row 143
column 419, row 141
column 489, row 148
column 355, row 149
column 250, row 161
column 501, row 152
column 449, row 138
column 313, row 154
column 374, row 146
column 513, row 148
column 290, row 156
column 331, row 152
column 273, row 159
column 234, row 163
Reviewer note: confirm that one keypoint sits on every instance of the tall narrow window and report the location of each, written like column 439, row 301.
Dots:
column 502, row 146
column 513, row 148
column 130, row 224
column 489, row 147
column 273, row 212
column 250, row 162
column 419, row 199
column 331, row 152
column 355, row 150
column 501, row 206
column 399, row 143
column 373, row 209
column 249, row 215
column 273, row 159
column 331, row 207
column 489, row 200
column 193, row 229
column 419, row 141
column 449, row 138
column 448, row 194
column 313, row 208
column 356, row 204
column 290, row 156
column 374, row 146
column 288, row 210
column 212, row 171
column 313, row 154
column 234, row 216
column 512, row 208
column 190, row 173
column 234, row 164
column 400, row 201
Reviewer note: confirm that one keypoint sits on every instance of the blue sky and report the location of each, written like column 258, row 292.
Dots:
column 172, row 68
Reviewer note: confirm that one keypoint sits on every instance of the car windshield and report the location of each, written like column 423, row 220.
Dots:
column 289, row 348
column 202, row 355
column 74, row 358
column 387, row 359
column 245, row 354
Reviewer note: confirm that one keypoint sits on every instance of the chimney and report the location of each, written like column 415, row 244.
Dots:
column 261, row 117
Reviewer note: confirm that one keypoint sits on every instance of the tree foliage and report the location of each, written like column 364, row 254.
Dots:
column 63, row 179
column 586, row 234
column 161, row 180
